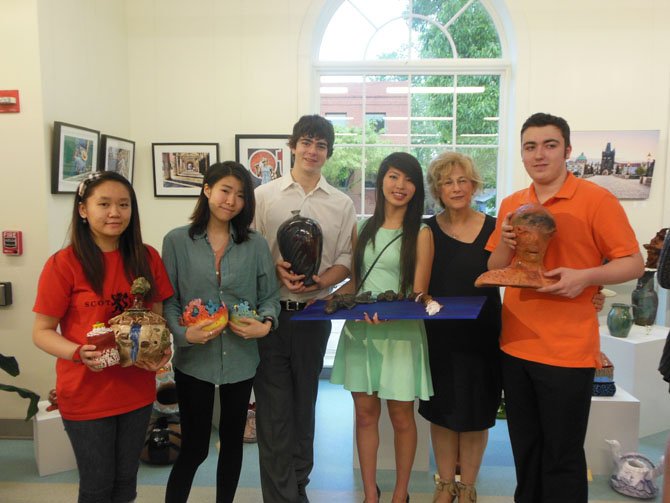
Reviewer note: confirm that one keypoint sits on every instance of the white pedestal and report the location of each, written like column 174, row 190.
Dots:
column 611, row 418
column 635, row 359
column 386, row 452
column 53, row 451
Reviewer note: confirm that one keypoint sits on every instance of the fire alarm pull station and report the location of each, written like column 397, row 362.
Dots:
column 12, row 242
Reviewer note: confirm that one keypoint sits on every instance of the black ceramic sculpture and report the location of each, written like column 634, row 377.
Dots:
column 300, row 242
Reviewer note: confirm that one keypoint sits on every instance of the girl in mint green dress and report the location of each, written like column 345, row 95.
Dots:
column 378, row 359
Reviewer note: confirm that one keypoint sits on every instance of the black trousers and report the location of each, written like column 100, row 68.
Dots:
column 547, row 415
column 196, row 404
column 286, row 387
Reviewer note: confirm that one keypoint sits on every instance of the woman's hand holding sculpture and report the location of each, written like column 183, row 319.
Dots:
column 196, row 334
column 250, row 328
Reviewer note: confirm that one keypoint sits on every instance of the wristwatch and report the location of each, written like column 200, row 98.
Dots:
column 272, row 323
column 76, row 356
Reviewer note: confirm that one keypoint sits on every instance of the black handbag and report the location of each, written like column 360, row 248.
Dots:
column 163, row 441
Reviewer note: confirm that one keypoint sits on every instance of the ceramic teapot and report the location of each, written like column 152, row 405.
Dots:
column 634, row 474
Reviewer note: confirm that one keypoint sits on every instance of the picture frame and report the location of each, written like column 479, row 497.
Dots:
column 74, row 156
column 179, row 168
column 118, row 155
column 622, row 161
column 267, row 157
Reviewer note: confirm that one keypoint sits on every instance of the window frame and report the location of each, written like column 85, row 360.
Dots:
column 502, row 67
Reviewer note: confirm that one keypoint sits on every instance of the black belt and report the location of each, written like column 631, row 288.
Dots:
column 292, row 305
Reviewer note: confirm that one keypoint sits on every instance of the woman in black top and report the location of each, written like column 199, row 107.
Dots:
column 464, row 354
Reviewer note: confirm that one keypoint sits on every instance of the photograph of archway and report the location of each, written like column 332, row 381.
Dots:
column 179, row 168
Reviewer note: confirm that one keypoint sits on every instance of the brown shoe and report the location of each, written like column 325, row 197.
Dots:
column 445, row 490
column 467, row 493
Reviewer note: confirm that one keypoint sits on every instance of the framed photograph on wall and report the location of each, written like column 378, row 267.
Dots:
column 267, row 157
column 74, row 155
column 621, row 161
column 118, row 155
column 179, row 168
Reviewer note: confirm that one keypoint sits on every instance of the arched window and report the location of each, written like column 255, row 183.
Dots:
column 421, row 76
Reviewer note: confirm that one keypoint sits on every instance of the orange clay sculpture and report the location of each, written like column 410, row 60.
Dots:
column 534, row 226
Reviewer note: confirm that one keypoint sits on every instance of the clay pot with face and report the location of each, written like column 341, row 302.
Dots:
column 534, row 227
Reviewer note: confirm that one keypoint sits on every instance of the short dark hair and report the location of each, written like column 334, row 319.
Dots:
column 313, row 126
column 542, row 119
column 243, row 219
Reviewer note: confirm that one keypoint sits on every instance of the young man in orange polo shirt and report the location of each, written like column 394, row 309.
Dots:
column 550, row 339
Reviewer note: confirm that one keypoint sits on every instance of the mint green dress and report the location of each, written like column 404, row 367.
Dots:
column 390, row 359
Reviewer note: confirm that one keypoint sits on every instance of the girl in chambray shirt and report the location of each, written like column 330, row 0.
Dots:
column 217, row 259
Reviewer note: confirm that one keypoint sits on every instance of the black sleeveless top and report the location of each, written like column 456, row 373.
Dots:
column 456, row 265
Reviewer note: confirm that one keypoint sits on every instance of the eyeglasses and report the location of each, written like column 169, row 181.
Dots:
column 451, row 183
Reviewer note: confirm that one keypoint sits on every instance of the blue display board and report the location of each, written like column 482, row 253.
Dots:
column 454, row 308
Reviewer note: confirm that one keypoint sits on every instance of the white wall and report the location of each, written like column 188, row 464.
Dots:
column 204, row 74
column 68, row 59
column 85, row 81
column 22, row 192
column 204, row 70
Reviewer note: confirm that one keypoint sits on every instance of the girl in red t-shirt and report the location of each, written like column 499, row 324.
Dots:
column 105, row 411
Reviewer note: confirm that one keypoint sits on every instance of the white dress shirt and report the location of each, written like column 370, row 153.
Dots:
column 331, row 208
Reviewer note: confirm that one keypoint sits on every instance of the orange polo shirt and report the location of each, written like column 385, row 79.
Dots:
column 591, row 227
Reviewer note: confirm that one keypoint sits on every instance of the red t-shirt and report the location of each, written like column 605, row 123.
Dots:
column 63, row 292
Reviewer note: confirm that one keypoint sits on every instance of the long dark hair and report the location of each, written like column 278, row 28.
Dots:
column 132, row 249
column 411, row 224
column 243, row 219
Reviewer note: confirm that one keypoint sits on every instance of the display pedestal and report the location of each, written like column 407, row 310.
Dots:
column 53, row 451
column 611, row 418
column 386, row 452
column 635, row 359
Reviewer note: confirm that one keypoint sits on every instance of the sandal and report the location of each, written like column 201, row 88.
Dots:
column 445, row 490
column 467, row 493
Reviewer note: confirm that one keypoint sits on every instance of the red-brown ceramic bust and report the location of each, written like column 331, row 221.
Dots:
column 654, row 248
column 534, row 226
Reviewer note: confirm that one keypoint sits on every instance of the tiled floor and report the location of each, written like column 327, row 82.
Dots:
column 333, row 478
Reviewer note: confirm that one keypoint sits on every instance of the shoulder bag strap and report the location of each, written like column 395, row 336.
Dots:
column 375, row 261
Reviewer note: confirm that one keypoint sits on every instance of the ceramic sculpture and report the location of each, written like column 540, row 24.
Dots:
column 534, row 226
column 197, row 311
column 633, row 474
column 300, row 243
column 141, row 334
